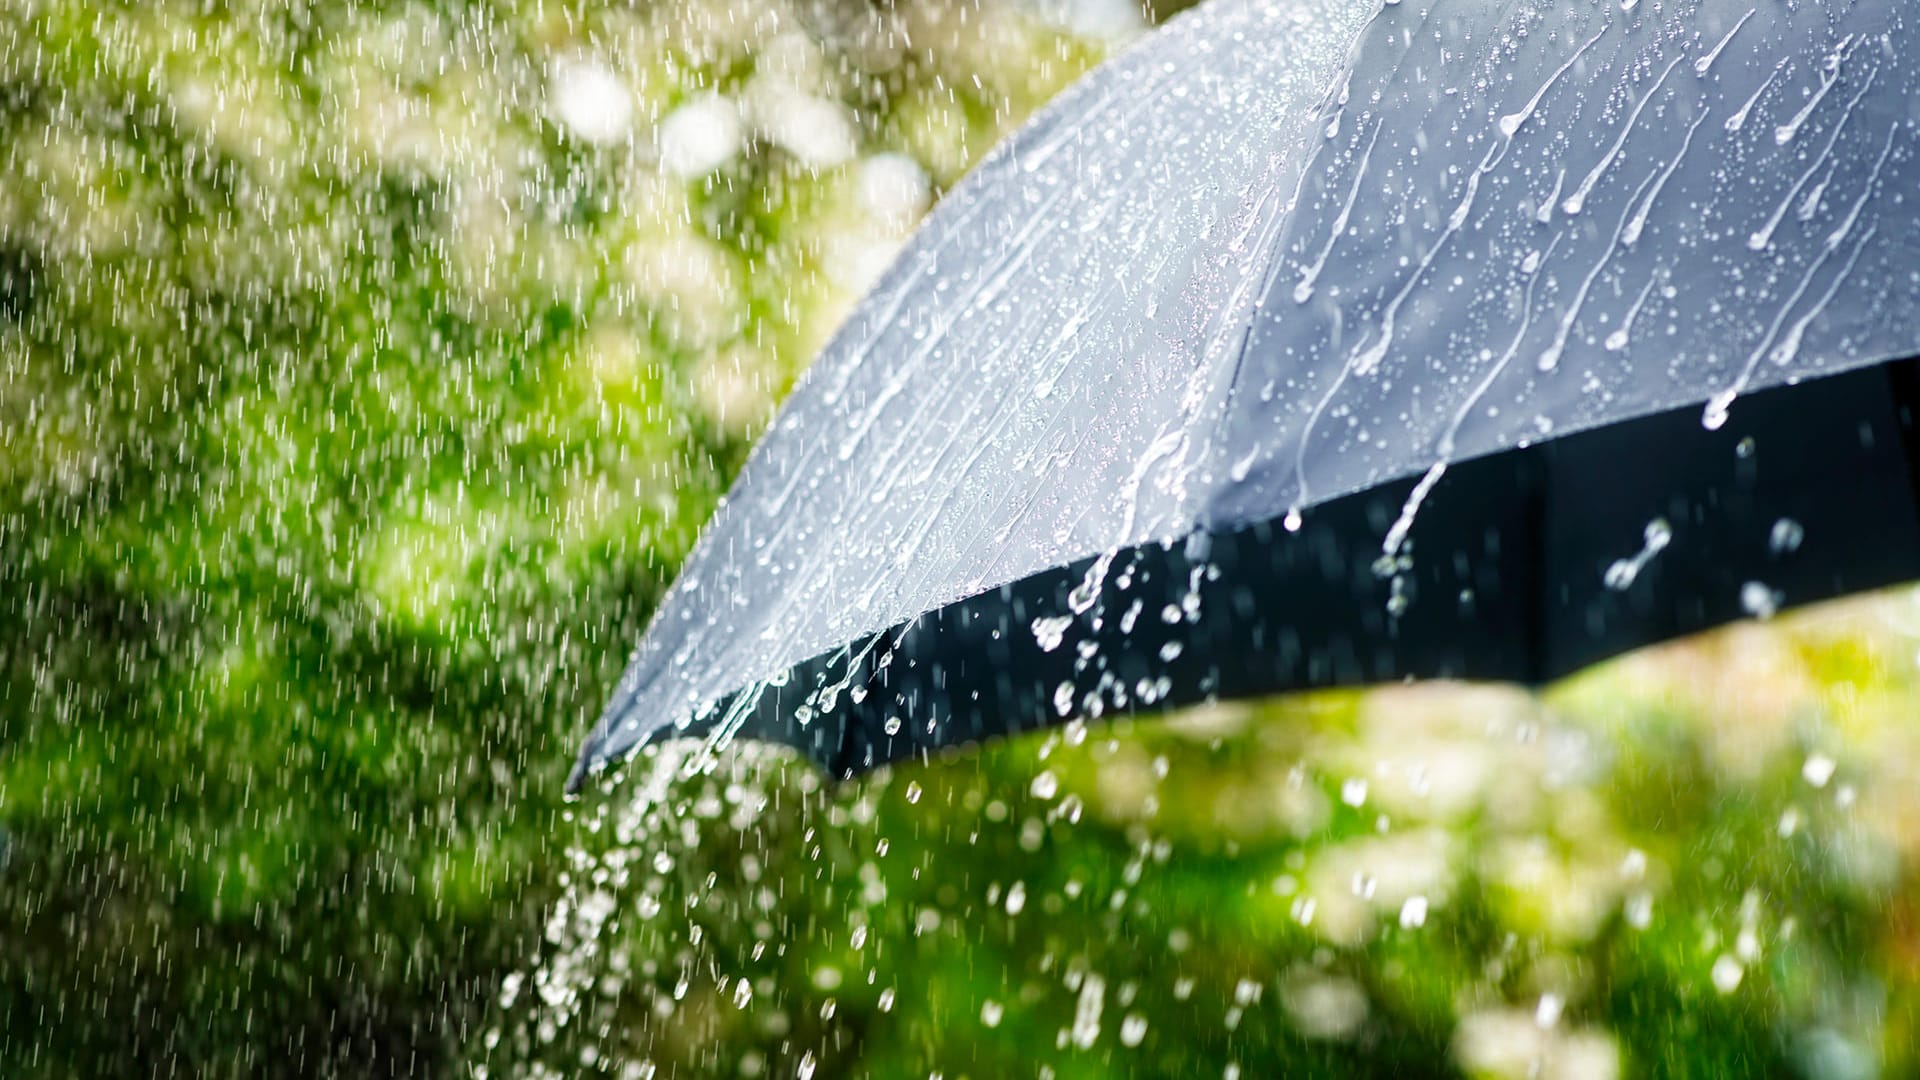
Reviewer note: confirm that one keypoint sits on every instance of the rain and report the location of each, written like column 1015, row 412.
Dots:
column 959, row 538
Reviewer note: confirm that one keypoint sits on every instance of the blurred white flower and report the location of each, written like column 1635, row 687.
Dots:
column 854, row 262
column 700, row 136
column 610, row 354
column 734, row 388
column 893, row 189
column 1113, row 20
column 590, row 101
column 393, row 127
column 1323, row 1006
column 814, row 130
column 1393, row 869
column 1564, row 896
column 796, row 59
column 1511, row 1044
column 690, row 283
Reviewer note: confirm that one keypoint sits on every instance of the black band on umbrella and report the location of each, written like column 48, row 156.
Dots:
column 1521, row 566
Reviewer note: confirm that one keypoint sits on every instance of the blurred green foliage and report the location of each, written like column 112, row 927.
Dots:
column 365, row 372
column 1694, row 862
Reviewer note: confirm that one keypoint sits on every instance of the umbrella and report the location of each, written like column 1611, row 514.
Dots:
column 1315, row 343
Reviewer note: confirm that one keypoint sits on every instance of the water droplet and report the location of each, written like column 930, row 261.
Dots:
column 1818, row 769
column 1714, row 416
column 1303, row 908
column 1364, row 885
column 1759, row 601
column 1639, row 910
column 1063, row 698
column 1634, row 866
column 1398, row 601
column 1050, row 631
column 1045, row 786
column 1620, row 575
column 1246, row 992
column 1086, row 1013
column 1413, row 913
column 1727, row 973
column 1786, row 536
column 1789, row 822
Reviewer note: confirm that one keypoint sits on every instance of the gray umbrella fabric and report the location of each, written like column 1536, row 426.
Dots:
column 1313, row 342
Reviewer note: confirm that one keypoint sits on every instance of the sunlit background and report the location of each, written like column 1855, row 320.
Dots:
column 366, row 370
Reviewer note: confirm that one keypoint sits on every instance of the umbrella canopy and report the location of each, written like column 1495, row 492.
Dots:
column 1315, row 342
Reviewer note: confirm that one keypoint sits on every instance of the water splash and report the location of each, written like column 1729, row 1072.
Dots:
column 1621, row 575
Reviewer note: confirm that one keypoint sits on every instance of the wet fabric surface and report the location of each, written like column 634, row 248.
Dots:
column 1282, row 253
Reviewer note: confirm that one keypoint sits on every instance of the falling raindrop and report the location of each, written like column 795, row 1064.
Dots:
column 1818, row 769
column 1622, row 573
column 1086, row 1013
column 1727, row 973
column 1638, row 910
column 1759, row 600
column 1413, row 913
column 1050, row 631
column 1786, row 536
